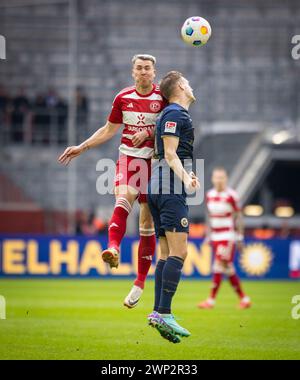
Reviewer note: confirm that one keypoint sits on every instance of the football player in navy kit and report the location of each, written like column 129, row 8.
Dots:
column 167, row 201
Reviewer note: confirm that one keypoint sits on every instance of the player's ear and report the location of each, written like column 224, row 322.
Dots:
column 181, row 85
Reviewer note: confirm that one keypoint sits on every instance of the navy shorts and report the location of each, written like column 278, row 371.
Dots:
column 169, row 212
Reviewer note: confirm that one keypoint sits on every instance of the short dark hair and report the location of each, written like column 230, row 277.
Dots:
column 168, row 83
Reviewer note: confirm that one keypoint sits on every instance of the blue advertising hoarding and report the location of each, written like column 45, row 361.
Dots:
column 74, row 256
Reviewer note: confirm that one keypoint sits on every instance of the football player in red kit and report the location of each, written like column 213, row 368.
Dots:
column 225, row 233
column 137, row 108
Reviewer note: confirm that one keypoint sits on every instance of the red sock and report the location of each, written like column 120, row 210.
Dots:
column 217, row 279
column 145, row 255
column 117, row 224
column 235, row 282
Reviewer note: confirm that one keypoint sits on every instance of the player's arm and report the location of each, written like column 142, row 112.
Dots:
column 102, row 135
column 239, row 225
column 139, row 137
column 170, row 147
column 208, row 227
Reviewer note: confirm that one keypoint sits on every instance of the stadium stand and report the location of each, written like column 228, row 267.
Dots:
column 234, row 79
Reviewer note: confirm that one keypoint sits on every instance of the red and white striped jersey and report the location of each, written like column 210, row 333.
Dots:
column 137, row 112
column 221, row 207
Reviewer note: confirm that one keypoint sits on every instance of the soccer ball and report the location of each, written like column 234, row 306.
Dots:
column 196, row 31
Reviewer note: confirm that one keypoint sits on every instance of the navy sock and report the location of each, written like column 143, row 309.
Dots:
column 170, row 279
column 158, row 282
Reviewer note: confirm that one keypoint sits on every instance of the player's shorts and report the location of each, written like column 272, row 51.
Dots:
column 224, row 250
column 169, row 212
column 134, row 172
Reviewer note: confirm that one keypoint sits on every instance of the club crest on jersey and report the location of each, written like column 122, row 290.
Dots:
column 184, row 222
column 155, row 106
column 170, row 126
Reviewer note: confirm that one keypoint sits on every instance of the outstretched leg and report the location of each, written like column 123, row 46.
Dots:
column 125, row 197
column 146, row 253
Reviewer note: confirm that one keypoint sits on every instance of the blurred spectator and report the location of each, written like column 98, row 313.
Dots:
column 62, row 117
column 4, row 107
column 52, row 110
column 90, row 225
column 20, row 107
column 84, row 225
column 50, row 118
column 100, row 225
column 51, row 98
column 4, row 101
column 41, row 121
column 82, row 108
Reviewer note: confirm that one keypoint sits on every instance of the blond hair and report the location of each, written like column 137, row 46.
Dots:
column 143, row 57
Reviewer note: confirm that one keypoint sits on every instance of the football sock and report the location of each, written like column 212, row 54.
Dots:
column 146, row 252
column 158, row 282
column 217, row 279
column 170, row 279
column 235, row 282
column 117, row 224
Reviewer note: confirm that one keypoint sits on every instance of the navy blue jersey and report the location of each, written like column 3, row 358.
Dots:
column 167, row 195
column 175, row 121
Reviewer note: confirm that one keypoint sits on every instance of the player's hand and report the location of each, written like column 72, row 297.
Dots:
column 139, row 137
column 195, row 181
column 70, row 153
column 193, row 184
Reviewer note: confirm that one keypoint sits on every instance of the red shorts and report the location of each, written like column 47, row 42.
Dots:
column 223, row 250
column 134, row 172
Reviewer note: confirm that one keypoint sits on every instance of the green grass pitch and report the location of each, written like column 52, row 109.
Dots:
column 85, row 319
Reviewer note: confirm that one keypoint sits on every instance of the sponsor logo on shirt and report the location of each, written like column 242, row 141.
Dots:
column 141, row 119
column 170, row 126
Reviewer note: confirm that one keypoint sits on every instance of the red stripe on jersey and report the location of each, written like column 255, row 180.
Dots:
column 227, row 215
column 221, row 229
column 126, row 90
column 128, row 142
column 218, row 199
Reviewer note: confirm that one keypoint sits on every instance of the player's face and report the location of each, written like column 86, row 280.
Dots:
column 143, row 73
column 219, row 179
column 188, row 90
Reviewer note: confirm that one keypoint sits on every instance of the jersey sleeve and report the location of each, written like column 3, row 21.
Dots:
column 171, row 124
column 116, row 115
